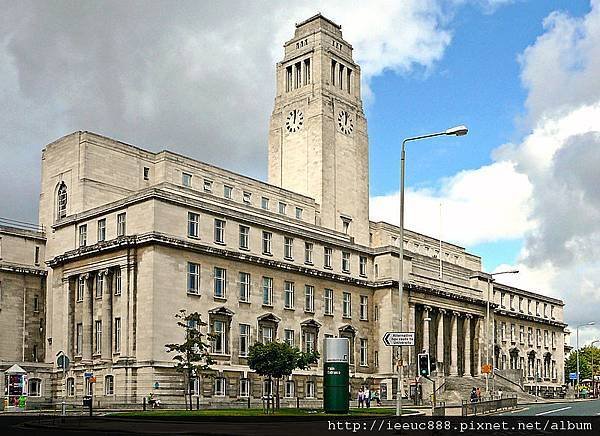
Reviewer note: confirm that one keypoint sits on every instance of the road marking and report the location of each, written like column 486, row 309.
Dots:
column 552, row 411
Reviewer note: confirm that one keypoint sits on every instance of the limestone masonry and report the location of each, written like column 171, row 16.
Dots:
column 128, row 237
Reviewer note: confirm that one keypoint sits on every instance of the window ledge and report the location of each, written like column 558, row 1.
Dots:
column 216, row 297
column 363, row 319
column 289, row 259
column 288, row 308
column 244, row 301
column 346, row 317
column 220, row 243
column 327, row 267
column 328, row 314
column 308, row 263
column 267, row 254
column 194, row 294
column 194, row 237
column 267, row 305
column 244, row 248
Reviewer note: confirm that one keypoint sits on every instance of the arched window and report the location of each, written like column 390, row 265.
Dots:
column 71, row 387
column 61, row 201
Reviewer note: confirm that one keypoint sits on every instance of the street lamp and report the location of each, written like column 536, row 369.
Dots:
column 582, row 325
column 593, row 380
column 453, row 131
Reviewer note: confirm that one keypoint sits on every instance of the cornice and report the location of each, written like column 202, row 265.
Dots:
column 21, row 269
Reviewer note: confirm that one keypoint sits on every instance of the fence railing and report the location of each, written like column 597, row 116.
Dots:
column 489, row 405
column 439, row 409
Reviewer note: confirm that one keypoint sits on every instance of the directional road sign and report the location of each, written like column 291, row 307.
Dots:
column 395, row 339
column 572, row 376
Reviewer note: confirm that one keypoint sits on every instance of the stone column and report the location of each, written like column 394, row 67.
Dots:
column 440, row 340
column 479, row 356
column 467, row 326
column 107, row 314
column 426, row 320
column 454, row 344
column 411, row 328
column 88, row 317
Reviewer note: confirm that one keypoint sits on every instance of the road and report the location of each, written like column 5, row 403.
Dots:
column 575, row 408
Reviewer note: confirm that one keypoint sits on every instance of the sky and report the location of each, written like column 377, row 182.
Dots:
column 520, row 190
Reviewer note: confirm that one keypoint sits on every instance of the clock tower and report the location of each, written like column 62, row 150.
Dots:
column 318, row 144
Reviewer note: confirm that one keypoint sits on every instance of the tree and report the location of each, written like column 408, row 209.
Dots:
column 278, row 359
column 193, row 355
column 585, row 362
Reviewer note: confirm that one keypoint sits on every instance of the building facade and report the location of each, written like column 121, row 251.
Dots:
column 133, row 236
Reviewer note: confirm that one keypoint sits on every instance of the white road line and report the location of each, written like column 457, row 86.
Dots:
column 552, row 411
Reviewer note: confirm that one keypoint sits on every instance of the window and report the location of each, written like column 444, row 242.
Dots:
column 267, row 291
column 310, row 389
column 347, row 305
column 512, row 302
column 227, row 191
column 513, row 336
column 537, row 308
column 345, row 226
column 83, row 235
column 186, row 179
column 522, row 334
column 376, row 359
column 530, row 335
column 220, row 383
column 36, row 255
column 502, row 299
column 98, row 337
column 266, row 334
column 244, row 339
column 328, row 298
column 362, row 266
column 364, row 307
column 289, row 295
column 247, row 197
column 244, row 237
column 546, row 338
column 78, row 339
column 308, row 253
column 545, row 310
column 363, row 352
column 36, row 303
column 299, row 213
column 121, row 223
column 117, row 335
column 35, row 387
column 288, row 247
column 193, row 224
column 207, row 185
column 376, row 313
column 61, row 201
column 219, row 231
column 264, row 203
column 266, row 242
column 118, row 284
column 220, row 282
column 310, row 341
column 244, row 387
column 70, row 387
column 219, row 343
column 146, row 173
column 195, row 386
column 553, row 339
column 282, row 207
column 345, row 261
column 289, row 389
column 99, row 285
column 552, row 311
column 327, row 251
column 102, row 230
column 503, row 331
column 193, row 282
column 521, row 304
column 309, row 298
column 109, row 385
column 289, row 337
column 244, row 287
column 267, row 387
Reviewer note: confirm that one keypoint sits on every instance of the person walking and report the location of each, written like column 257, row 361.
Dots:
column 478, row 394
column 361, row 398
column 368, row 397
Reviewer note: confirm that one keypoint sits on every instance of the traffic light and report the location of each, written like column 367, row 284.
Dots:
column 423, row 362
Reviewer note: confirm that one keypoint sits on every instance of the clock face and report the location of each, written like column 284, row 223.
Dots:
column 294, row 121
column 345, row 122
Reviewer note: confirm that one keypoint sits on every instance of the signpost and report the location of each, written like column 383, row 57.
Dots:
column 336, row 376
column 399, row 339
column 63, row 362
column 572, row 376
column 88, row 400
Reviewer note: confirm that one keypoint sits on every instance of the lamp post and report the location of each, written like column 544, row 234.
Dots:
column 453, row 131
column 582, row 325
column 593, row 380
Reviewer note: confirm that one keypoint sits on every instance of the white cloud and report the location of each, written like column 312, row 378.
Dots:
column 487, row 204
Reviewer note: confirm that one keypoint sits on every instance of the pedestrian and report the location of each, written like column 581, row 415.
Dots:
column 478, row 394
column 499, row 393
column 473, row 396
column 361, row 398
column 368, row 397
column 377, row 398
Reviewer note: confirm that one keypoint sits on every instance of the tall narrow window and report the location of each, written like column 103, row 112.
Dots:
column 364, row 352
column 327, row 251
column 345, row 261
column 310, row 389
column 288, row 79
column 219, row 345
column 36, row 256
column 220, row 282
column 121, row 224
column 288, row 247
column 193, row 278
column 282, row 207
column 308, row 253
column 71, row 387
column 245, row 287
column 36, row 303
column 328, row 299
column 227, row 191
column 267, row 291
column 348, row 79
column 288, row 295
column 219, row 231
column 244, row 237
column 244, row 387
column 298, row 213
column 220, row 386
column 109, row 385
column 193, row 224
column 364, row 307
column 341, row 76
column 118, row 283
column 186, row 179
column 362, row 266
column 307, row 71
column 297, row 75
column 61, row 201
column 80, row 288
column 347, row 305
column 244, row 339
column 309, row 298
column 78, row 339
column 146, row 173
column 266, row 334
column 98, row 337
column 99, row 285
column 117, row 335
column 83, row 235
column 310, row 341
column 102, row 230
column 264, row 203
column 266, row 242
column 333, row 72
column 289, row 337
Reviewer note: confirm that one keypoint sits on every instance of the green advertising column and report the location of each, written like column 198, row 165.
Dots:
column 336, row 375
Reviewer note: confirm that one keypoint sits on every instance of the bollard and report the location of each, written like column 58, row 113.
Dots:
column 197, row 403
column 248, row 401
column 144, row 404
column 297, row 402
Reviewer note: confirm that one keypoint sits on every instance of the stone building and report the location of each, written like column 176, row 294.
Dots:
column 133, row 236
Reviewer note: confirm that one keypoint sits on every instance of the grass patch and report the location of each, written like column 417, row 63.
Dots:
column 253, row 412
